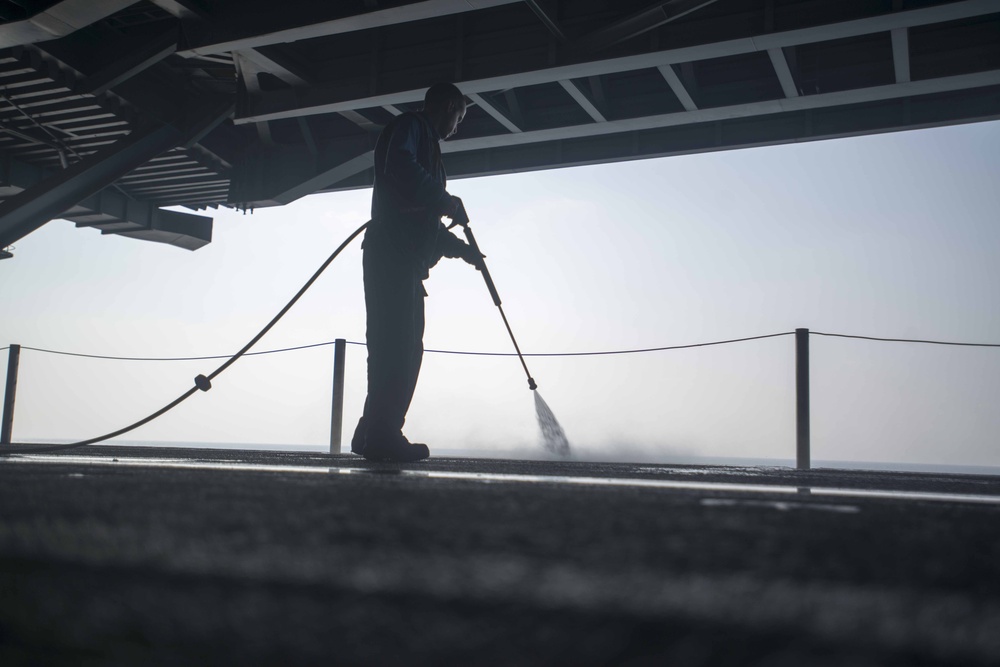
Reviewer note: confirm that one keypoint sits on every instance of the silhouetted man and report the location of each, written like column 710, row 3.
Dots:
column 404, row 240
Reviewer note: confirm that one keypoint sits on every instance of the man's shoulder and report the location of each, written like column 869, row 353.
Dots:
column 409, row 121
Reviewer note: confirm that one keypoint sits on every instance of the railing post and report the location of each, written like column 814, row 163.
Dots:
column 802, row 399
column 13, row 358
column 337, row 414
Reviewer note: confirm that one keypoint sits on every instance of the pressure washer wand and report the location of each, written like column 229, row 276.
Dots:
column 463, row 219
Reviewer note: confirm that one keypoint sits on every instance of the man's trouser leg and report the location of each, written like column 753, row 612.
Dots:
column 394, row 303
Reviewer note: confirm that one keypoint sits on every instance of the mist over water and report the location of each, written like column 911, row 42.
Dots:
column 553, row 436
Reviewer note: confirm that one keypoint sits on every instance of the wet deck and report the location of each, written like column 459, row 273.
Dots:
column 145, row 556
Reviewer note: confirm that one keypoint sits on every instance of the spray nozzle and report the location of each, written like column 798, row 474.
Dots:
column 531, row 384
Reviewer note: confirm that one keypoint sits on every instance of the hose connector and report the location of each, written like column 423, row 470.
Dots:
column 203, row 383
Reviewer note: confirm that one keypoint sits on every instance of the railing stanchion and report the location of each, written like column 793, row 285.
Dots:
column 13, row 358
column 802, row 399
column 337, row 414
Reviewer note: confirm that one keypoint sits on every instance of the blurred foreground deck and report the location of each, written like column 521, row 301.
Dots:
column 143, row 556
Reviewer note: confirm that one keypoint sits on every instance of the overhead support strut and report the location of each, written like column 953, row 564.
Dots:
column 784, row 73
column 26, row 211
column 61, row 19
column 495, row 113
column 188, row 10
column 274, row 63
column 340, row 95
column 275, row 25
column 582, row 100
column 901, row 54
column 545, row 16
column 677, row 86
column 131, row 62
column 652, row 17
column 752, row 109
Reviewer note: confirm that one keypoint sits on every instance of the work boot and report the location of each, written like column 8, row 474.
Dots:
column 394, row 448
column 358, row 441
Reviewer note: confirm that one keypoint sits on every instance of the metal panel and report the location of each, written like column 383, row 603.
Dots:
column 876, row 93
column 649, row 18
column 233, row 36
column 25, row 212
column 331, row 99
column 59, row 20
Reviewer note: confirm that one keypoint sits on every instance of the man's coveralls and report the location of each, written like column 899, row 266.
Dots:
column 404, row 240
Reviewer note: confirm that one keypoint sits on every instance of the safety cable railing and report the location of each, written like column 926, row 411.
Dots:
column 801, row 348
column 510, row 354
column 465, row 352
column 905, row 340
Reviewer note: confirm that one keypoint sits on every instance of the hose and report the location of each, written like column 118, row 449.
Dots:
column 201, row 382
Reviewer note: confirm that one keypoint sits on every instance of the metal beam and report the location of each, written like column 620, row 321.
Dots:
column 819, row 101
column 277, row 64
column 513, row 106
column 901, row 53
column 273, row 24
column 59, row 20
column 307, row 136
column 156, row 180
column 32, row 208
column 788, row 86
column 900, row 48
column 159, row 95
column 186, row 10
column 112, row 212
column 331, row 98
column 131, row 62
column 652, row 17
column 597, row 90
column 361, row 121
column 247, row 71
column 801, row 103
column 168, row 157
column 493, row 111
column 545, row 16
column 184, row 187
column 183, row 230
column 677, row 86
column 161, row 175
column 582, row 100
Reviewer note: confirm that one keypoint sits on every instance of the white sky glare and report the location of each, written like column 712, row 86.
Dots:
column 891, row 235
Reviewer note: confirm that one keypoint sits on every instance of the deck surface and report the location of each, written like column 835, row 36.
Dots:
column 145, row 556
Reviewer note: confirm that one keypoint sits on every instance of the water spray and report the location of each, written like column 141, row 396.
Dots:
column 552, row 433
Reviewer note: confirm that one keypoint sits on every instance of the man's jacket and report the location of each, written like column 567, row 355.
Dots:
column 409, row 195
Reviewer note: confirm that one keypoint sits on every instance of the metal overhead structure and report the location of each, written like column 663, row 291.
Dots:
column 113, row 109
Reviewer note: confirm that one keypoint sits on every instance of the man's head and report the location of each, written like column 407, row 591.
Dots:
column 445, row 105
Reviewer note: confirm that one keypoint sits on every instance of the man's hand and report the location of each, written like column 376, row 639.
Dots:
column 454, row 205
column 470, row 255
column 456, row 212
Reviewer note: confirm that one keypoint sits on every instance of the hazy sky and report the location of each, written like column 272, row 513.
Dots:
column 892, row 235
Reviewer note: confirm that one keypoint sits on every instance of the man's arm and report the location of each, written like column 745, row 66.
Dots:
column 410, row 179
column 449, row 245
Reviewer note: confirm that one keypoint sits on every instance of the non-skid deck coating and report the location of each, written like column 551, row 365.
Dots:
column 222, row 557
